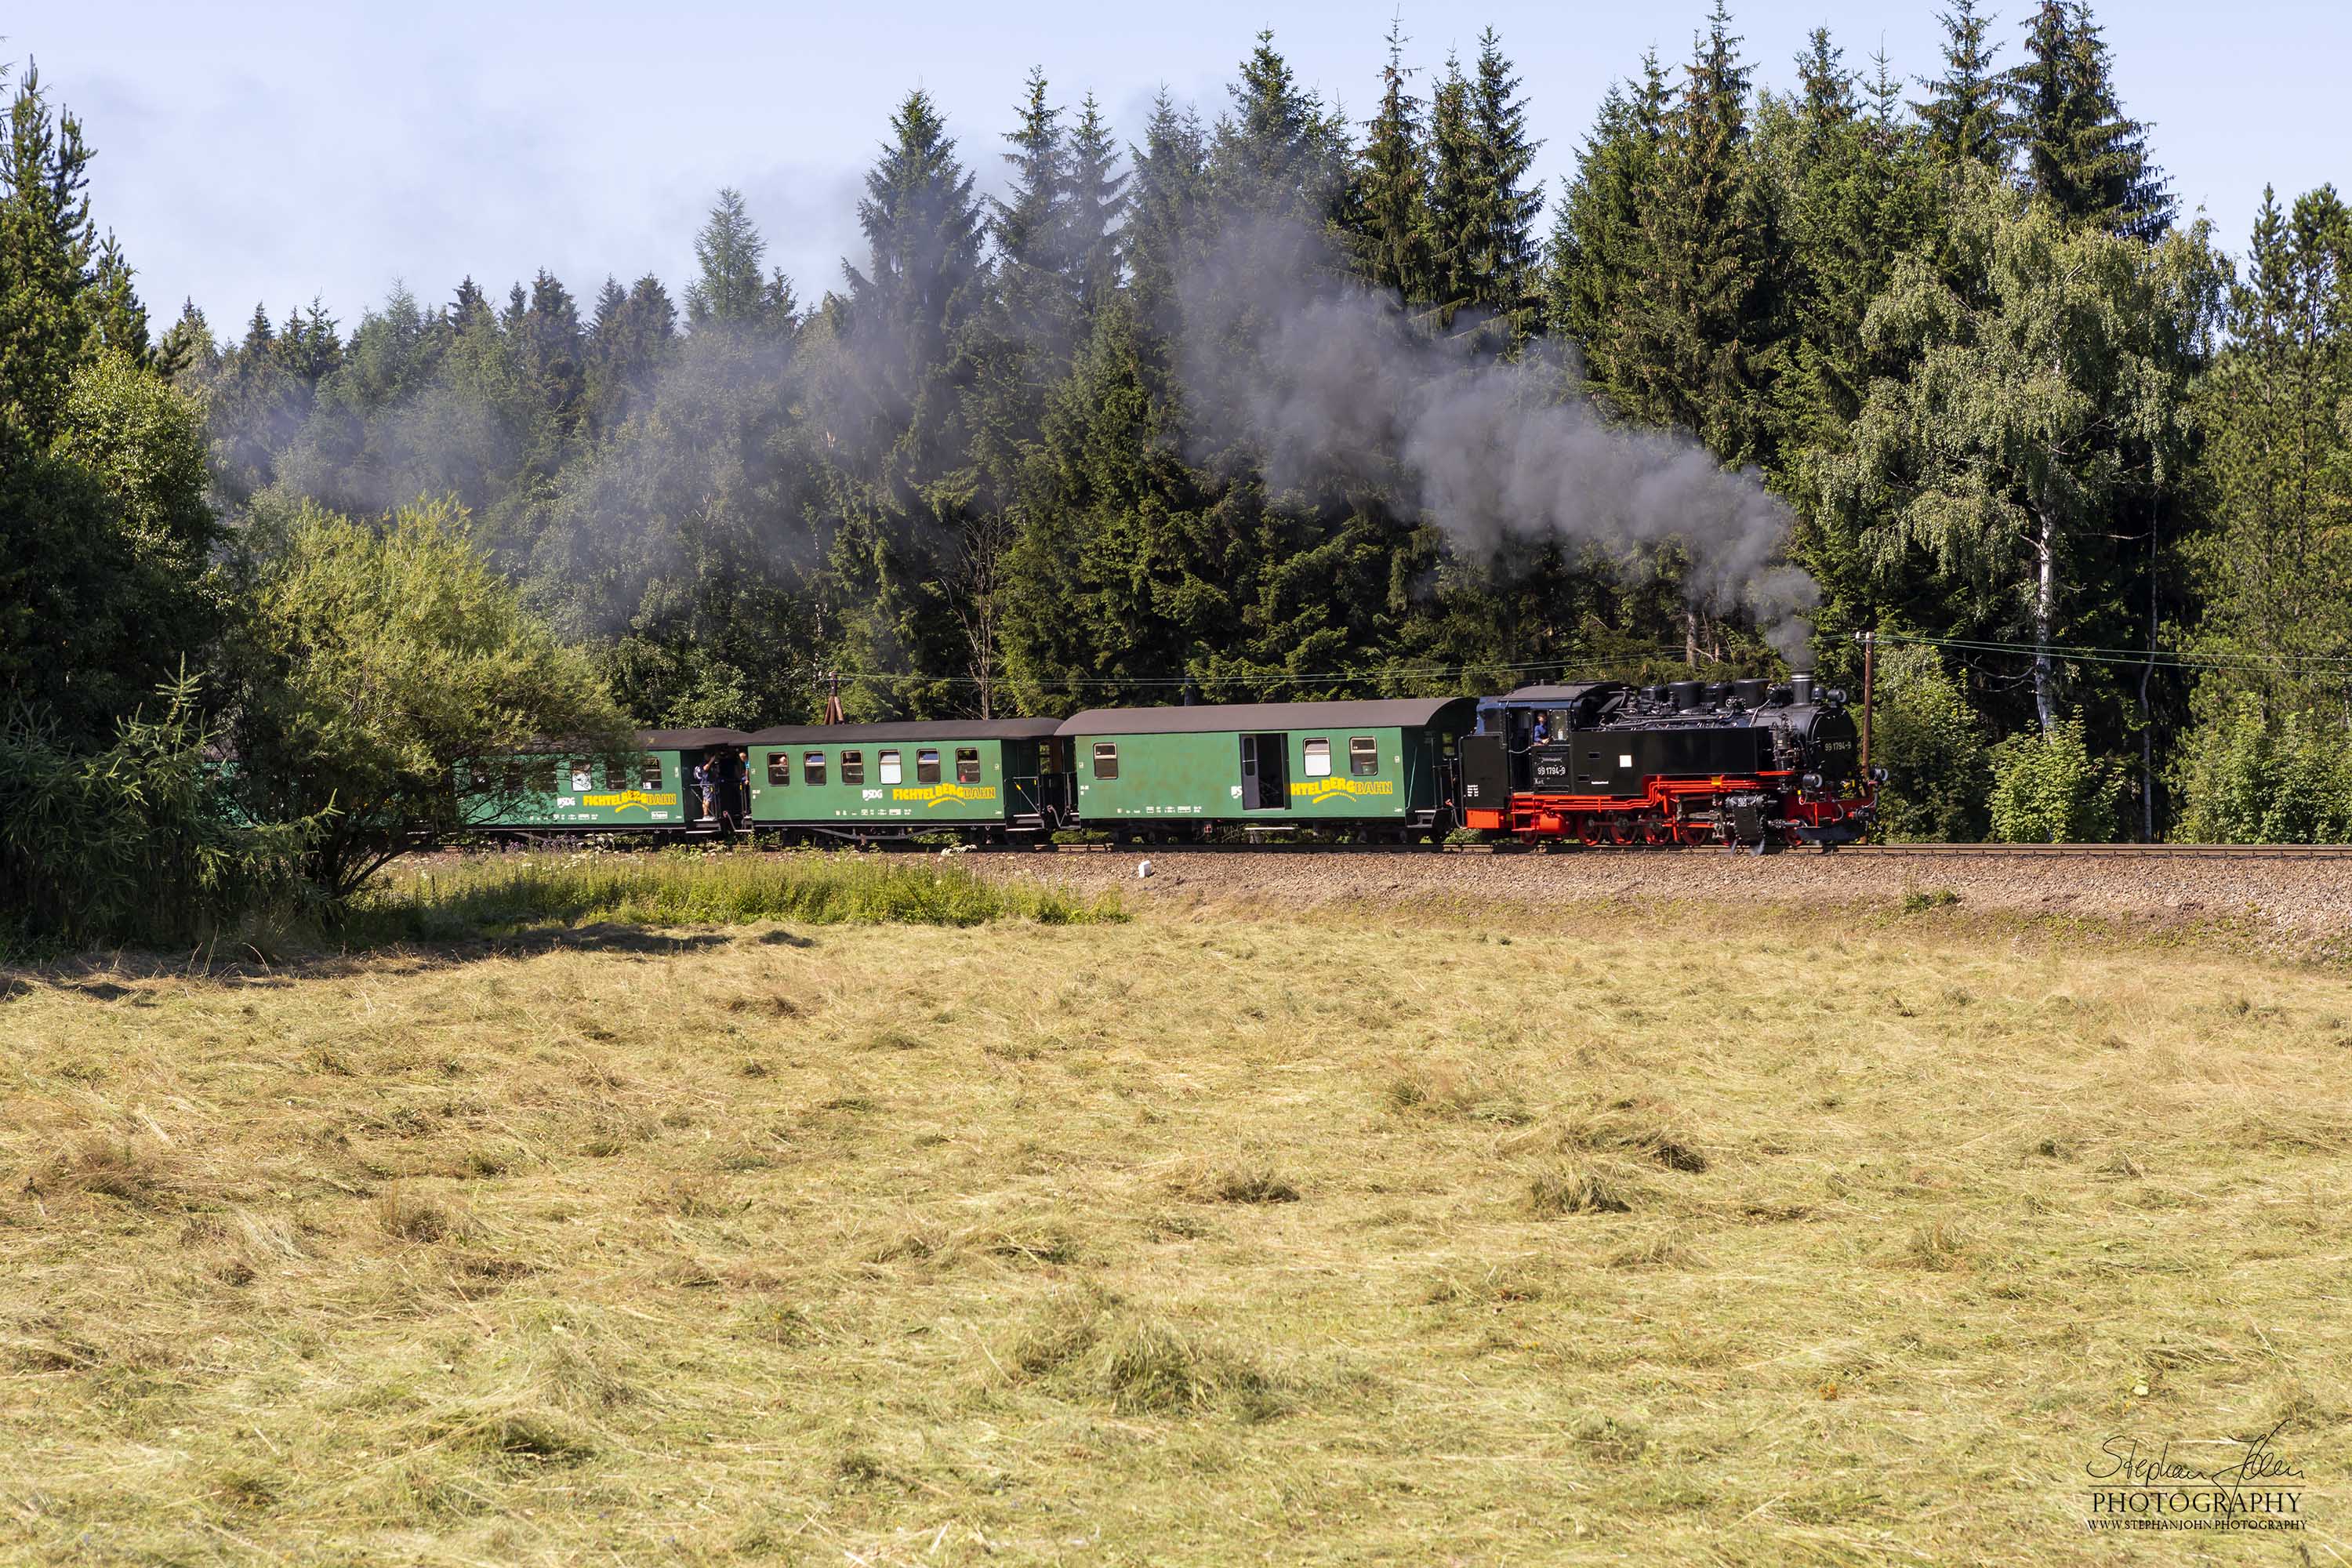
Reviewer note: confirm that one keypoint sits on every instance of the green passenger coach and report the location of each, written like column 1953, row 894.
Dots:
column 982, row 778
column 550, row 788
column 1381, row 765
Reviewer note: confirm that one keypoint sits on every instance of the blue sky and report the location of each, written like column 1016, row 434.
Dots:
column 277, row 151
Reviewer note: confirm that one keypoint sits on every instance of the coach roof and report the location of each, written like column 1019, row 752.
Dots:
column 1402, row 712
column 640, row 740
column 918, row 729
column 688, row 740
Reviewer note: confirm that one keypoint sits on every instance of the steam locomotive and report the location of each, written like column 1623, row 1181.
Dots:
column 1747, row 764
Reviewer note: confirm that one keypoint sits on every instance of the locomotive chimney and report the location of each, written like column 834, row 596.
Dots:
column 1800, row 689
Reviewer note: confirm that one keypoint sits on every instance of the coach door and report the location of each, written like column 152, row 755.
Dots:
column 1043, row 795
column 1265, row 772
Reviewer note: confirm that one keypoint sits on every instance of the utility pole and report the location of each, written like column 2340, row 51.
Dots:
column 833, row 697
column 1869, row 692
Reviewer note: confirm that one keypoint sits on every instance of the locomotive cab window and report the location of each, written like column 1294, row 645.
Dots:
column 967, row 764
column 1106, row 758
column 1318, row 758
column 888, row 762
column 853, row 767
column 1363, row 756
column 812, row 768
column 927, row 766
column 780, row 768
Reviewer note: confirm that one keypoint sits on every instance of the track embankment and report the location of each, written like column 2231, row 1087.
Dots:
column 2299, row 904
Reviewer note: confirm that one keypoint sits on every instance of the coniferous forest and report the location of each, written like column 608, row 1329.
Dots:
column 1273, row 403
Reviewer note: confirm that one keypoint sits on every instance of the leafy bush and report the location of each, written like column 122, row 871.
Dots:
column 2246, row 780
column 2047, row 788
column 138, row 842
column 376, row 662
column 1932, row 745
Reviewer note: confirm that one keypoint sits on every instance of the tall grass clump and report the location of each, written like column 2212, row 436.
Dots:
column 815, row 888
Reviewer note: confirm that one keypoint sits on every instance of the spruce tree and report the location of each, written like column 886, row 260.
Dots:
column 1964, row 116
column 628, row 347
column 2079, row 151
column 1701, row 350
column 1854, row 195
column 1826, row 97
column 1481, row 208
column 468, row 305
column 925, row 273
column 1165, row 210
column 1454, row 215
column 47, row 240
column 1123, row 570
column 554, row 353
column 1030, row 224
column 1502, row 262
column 729, row 289
column 1599, row 252
column 1097, row 199
column 1392, row 240
column 917, row 552
column 1279, row 152
column 117, row 319
column 187, row 355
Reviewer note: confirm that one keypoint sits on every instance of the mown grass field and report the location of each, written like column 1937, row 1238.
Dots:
column 1195, row 1238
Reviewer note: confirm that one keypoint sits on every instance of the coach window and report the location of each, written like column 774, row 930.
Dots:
column 649, row 774
column 1318, row 758
column 888, row 762
column 511, row 778
column 1106, row 758
column 583, row 778
column 780, row 768
column 927, row 766
column 1363, row 756
column 812, row 768
column 616, row 775
column 967, row 764
column 853, row 767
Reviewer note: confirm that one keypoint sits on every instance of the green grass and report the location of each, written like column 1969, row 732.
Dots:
column 704, row 889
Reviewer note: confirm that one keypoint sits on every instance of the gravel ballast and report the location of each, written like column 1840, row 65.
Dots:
column 2306, row 904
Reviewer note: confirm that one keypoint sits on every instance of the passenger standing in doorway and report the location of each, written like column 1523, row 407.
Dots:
column 702, row 787
column 734, row 776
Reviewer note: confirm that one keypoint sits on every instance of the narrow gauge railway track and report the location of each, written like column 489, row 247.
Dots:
column 545, row 842
column 1948, row 851
column 2114, row 851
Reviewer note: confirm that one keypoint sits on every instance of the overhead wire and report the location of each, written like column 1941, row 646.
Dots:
column 2178, row 659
